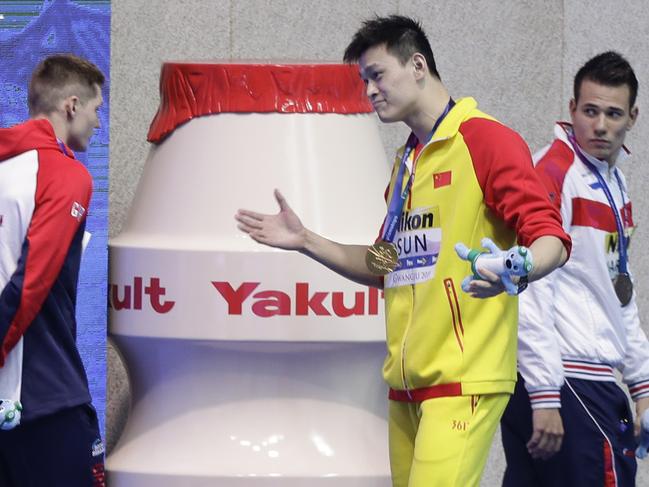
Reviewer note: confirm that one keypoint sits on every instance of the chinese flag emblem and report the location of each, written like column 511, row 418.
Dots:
column 441, row 179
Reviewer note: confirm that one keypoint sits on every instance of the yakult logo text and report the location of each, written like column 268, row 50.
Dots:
column 267, row 303
column 131, row 296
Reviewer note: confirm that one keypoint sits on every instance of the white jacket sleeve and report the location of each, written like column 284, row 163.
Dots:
column 539, row 355
column 635, row 371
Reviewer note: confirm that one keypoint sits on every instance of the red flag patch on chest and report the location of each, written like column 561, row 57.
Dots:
column 441, row 179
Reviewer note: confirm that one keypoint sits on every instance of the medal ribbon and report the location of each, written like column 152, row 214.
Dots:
column 62, row 147
column 622, row 262
column 398, row 201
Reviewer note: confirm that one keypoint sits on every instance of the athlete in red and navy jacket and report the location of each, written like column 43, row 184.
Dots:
column 44, row 196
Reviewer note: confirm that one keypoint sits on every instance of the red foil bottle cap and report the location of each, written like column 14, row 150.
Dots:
column 189, row 90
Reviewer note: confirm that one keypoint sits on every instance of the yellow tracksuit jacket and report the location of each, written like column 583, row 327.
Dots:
column 474, row 179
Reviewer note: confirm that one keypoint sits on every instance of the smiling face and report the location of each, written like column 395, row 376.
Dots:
column 601, row 118
column 390, row 85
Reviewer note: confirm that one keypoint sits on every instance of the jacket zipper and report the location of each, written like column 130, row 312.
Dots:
column 412, row 286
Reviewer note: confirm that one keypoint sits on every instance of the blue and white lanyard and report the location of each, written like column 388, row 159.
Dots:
column 63, row 148
column 398, row 201
column 622, row 263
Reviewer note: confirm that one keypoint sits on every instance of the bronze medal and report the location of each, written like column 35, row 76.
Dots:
column 382, row 258
column 623, row 288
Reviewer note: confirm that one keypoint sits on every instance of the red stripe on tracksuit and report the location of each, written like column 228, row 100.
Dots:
column 593, row 214
column 424, row 393
column 635, row 390
column 588, row 367
column 609, row 472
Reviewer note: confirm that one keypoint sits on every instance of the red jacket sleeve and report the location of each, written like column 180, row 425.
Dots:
column 552, row 169
column 511, row 187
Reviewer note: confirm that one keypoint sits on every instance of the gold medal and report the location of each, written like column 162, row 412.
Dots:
column 382, row 258
column 623, row 288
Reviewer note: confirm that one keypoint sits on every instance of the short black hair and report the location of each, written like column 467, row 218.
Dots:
column 608, row 69
column 57, row 77
column 402, row 36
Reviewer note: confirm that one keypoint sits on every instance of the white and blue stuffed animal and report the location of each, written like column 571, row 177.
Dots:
column 10, row 412
column 506, row 264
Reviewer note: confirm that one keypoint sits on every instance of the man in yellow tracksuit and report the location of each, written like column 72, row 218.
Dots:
column 462, row 176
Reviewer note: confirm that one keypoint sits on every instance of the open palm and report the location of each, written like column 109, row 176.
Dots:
column 283, row 230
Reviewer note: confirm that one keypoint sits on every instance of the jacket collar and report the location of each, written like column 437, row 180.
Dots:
column 563, row 129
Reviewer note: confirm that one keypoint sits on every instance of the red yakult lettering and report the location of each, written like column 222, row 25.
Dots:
column 305, row 302
column 131, row 296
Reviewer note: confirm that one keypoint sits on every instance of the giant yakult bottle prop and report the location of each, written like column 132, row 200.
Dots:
column 251, row 366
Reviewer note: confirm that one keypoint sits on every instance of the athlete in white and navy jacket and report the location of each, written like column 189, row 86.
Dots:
column 575, row 330
column 571, row 322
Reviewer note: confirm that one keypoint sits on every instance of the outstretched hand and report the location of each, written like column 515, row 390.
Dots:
column 283, row 230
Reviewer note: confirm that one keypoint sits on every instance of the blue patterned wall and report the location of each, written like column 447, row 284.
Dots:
column 29, row 31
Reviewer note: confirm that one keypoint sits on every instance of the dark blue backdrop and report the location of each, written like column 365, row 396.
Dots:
column 29, row 31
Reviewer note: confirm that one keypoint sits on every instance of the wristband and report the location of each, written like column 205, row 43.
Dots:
column 522, row 284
